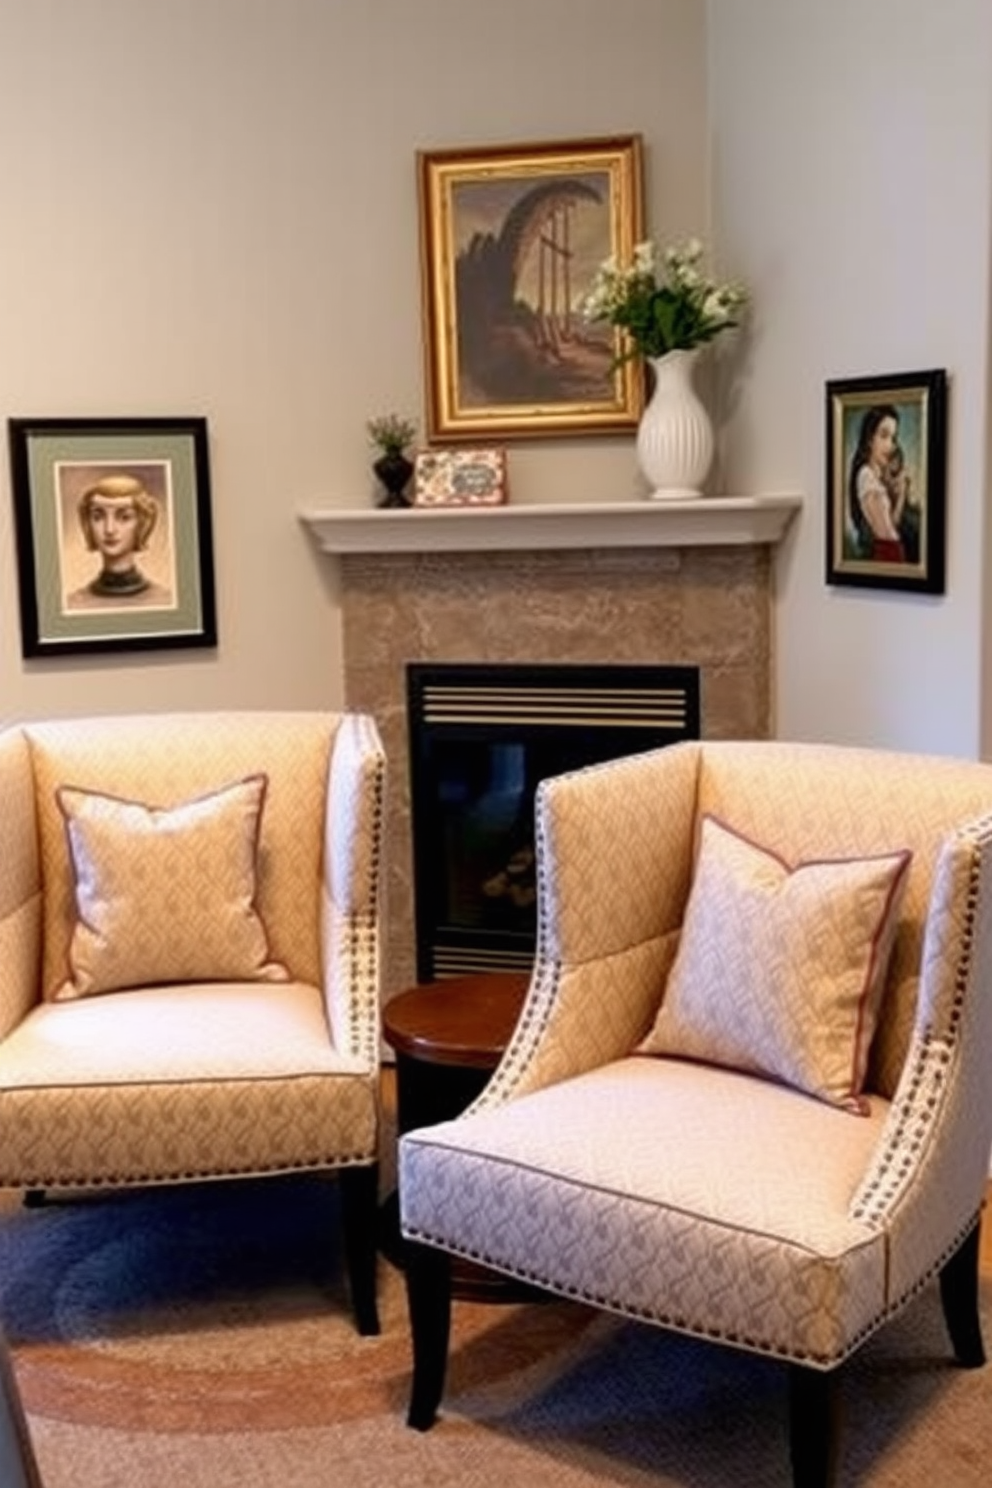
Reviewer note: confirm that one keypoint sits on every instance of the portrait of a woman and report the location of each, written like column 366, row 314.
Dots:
column 886, row 481
column 117, row 516
column 878, row 486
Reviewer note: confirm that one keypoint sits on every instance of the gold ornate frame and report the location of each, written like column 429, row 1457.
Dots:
column 510, row 240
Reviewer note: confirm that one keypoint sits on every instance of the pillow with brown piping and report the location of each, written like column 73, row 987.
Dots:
column 165, row 894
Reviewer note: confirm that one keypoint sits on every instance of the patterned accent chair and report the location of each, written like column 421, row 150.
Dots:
column 609, row 1163
column 212, row 1011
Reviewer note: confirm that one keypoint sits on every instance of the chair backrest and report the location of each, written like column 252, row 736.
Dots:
column 806, row 801
column 162, row 760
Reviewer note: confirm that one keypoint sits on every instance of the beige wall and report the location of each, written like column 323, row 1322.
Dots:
column 209, row 207
column 852, row 188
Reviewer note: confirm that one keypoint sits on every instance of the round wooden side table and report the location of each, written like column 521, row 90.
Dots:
column 448, row 1037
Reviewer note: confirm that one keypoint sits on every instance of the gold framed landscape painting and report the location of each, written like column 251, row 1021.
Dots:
column 511, row 238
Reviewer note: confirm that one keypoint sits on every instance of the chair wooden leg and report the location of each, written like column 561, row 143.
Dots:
column 428, row 1291
column 959, row 1292
column 360, row 1217
column 814, row 1426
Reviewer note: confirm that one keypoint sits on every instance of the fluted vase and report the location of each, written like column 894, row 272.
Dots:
column 675, row 435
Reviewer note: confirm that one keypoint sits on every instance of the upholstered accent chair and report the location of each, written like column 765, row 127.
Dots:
column 189, row 956
column 749, row 1094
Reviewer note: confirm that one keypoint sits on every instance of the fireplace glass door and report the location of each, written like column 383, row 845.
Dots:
column 482, row 737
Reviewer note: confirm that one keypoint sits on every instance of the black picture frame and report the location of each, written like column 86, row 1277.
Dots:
column 886, row 512
column 113, row 532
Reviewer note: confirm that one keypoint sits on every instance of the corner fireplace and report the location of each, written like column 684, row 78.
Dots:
column 481, row 738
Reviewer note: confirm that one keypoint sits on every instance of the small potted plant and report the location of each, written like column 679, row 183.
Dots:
column 392, row 435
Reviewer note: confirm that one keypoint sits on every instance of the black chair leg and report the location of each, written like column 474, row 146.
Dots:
column 428, row 1291
column 360, row 1217
column 959, row 1292
column 814, row 1426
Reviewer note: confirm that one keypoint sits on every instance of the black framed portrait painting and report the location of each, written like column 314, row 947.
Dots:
column 886, row 481
column 113, row 530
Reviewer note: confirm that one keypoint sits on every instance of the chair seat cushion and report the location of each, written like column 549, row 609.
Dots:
column 175, row 1082
column 698, row 1197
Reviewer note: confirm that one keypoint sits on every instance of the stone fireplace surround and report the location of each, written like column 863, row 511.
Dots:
column 689, row 584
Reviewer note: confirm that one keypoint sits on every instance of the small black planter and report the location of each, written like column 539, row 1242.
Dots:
column 394, row 471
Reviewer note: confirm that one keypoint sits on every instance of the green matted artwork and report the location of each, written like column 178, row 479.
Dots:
column 113, row 530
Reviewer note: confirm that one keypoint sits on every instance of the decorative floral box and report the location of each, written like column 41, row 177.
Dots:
column 461, row 477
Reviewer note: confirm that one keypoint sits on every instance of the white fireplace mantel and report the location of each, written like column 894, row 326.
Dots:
column 710, row 521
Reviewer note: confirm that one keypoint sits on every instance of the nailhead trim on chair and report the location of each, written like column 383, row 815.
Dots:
column 920, row 1095
column 916, row 1112
column 924, row 1281
column 536, row 1015
column 645, row 1315
column 363, row 951
column 916, row 1107
column 357, row 955
column 545, row 978
column 543, row 992
column 713, row 1335
column 147, row 1180
column 362, row 934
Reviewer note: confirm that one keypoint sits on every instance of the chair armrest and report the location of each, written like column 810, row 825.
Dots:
column 351, row 892
column 20, row 883
column 614, row 855
column 927, row 1181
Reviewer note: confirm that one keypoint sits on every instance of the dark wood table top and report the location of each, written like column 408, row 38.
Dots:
column 464, row 1021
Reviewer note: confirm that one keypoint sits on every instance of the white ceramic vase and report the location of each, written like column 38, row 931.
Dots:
column 675, row 435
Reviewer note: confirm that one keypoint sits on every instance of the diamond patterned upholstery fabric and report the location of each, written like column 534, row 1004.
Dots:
column 711, row 1183
column 780, row 967
column 173, row 1082
column 170, row 760
column 704, row 1198
column 165, row 896
column 164, row 1083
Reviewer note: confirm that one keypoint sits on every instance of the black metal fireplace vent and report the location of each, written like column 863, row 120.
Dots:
column 481, row 739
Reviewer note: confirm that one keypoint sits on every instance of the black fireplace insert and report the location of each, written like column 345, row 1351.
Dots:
column 482, row 737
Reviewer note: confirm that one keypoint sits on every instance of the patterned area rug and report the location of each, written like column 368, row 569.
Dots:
column 200, row 1336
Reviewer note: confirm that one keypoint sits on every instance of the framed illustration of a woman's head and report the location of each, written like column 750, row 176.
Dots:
column 114, row 543
column 886, row 446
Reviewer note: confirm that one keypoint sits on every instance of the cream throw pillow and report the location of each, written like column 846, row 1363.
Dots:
column 165, row 895
column 780, row 970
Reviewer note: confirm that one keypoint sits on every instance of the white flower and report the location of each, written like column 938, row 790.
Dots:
column 644, row 257
column 657, row 312
column 687, row 275
column 715, row 307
